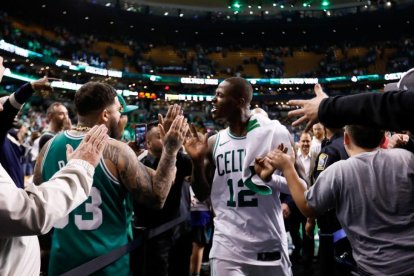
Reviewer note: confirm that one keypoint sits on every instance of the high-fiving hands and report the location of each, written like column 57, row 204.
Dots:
column 196, row 146
column 277, row 159
column 175, row 136
column 172, row 113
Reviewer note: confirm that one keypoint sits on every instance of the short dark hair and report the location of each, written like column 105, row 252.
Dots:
column 240, row 88
column 93, row 97
column 364, row 136
column 150, row 126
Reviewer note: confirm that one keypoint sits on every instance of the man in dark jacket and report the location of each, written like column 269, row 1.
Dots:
column 10, row 153
column 169, row 252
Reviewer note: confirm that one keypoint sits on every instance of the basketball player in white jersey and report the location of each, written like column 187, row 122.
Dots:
column 249, row 236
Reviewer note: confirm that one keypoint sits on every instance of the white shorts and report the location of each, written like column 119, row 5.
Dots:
column 228, row 268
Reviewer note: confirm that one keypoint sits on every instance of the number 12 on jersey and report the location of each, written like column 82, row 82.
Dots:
column 242, row 195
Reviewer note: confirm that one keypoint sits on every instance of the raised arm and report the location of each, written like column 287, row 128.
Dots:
column 13, row 104
column 390, row 110
column 149, row 187
column 200, row 150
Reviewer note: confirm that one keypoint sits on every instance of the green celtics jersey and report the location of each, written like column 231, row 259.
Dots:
column 97, row 226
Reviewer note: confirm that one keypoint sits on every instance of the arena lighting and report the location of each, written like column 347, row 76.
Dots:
column 17, row 50
column 336, row 79
column 65, row 85
column 154, row 78
column 374, row 77
column 127, row 93
column 188, row 97
column 325, row 3
column 89, row 69
column 147, row 95
column 393, row 76
column 199, row 81
column 10, row 74
column 236, row 5
column 173, row 79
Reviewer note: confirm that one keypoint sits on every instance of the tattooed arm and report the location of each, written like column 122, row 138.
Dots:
column 148, row 186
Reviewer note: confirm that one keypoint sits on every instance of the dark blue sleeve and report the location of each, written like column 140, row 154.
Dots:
column 9, row 112
column 326, row 157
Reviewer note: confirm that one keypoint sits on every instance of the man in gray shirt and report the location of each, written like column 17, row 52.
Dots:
column 373, row 194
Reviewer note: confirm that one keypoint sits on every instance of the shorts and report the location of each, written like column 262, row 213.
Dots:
column 228, row 268
column 202, row 234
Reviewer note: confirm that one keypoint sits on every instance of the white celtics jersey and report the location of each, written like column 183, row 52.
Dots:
column 246, row 224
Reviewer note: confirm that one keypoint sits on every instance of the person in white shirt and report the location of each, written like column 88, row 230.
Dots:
column 296, row 220
column 33, row 211
column 318, row 136
column 304, row 151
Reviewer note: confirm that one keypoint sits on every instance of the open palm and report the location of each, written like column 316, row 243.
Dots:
column 196, row 146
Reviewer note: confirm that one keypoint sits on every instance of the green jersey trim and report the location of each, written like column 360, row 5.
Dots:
column 252, row 124
column 74, row 137
column 260, row 190
column 107, row 172
column 232, row 136
column 46, row 153
column 216, row 145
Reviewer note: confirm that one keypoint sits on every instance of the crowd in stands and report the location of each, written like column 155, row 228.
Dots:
column 270, row 61
column 313, row 169
column 32, row 121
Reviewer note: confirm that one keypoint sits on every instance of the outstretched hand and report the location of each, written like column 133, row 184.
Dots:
column 308, row 108
column 42, row 84
column 196, row 146
column 175, row 136
column 172, row 113
column 91, row 147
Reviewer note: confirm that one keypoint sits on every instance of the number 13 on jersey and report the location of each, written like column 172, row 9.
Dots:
column 91, row 207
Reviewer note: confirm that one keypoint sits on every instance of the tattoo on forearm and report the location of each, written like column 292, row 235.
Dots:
column 164, row 176
column 148, row 187
column 171, row 144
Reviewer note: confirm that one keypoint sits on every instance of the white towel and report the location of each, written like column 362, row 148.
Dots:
column 263, row 135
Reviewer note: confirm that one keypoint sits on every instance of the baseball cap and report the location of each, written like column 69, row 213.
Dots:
column 126, row 109
column 406, row 82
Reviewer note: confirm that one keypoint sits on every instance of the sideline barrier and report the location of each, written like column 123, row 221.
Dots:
column 113, row 255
